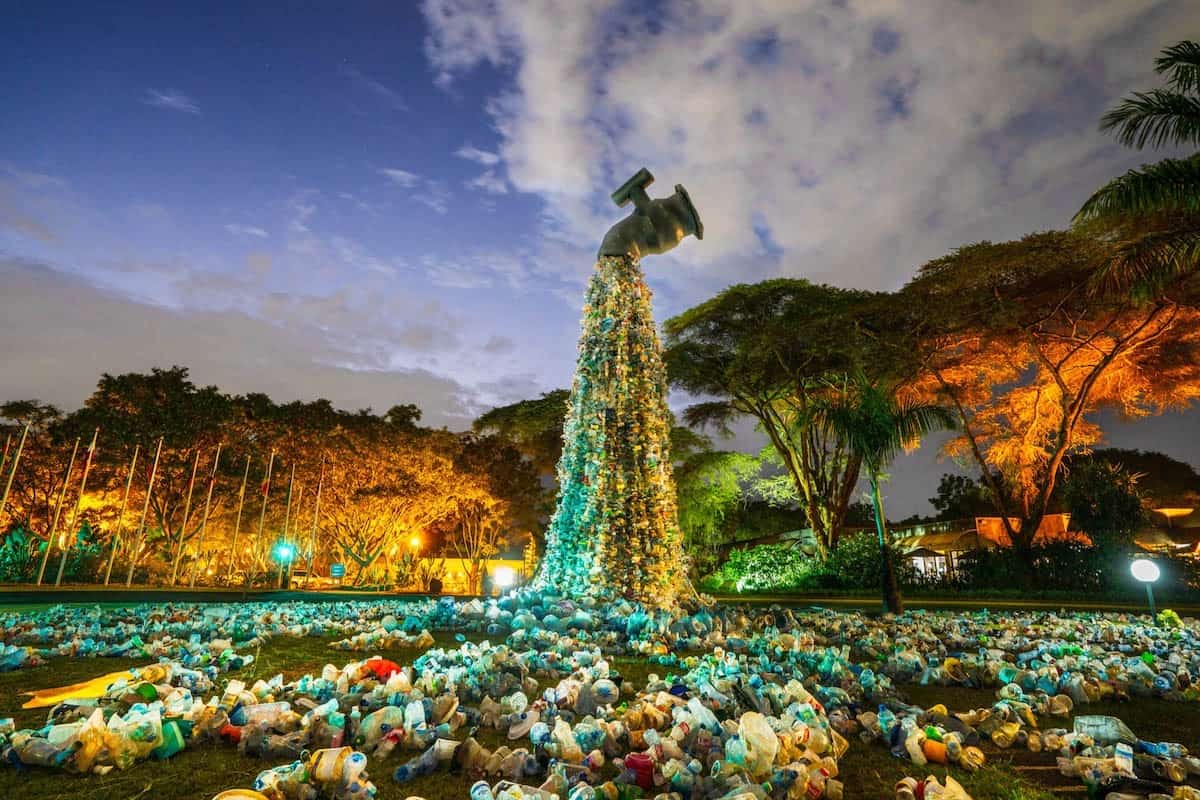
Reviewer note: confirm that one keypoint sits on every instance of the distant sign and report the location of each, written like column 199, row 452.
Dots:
column 337, row 570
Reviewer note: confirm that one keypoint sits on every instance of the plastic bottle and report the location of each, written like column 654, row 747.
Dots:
column 421, row 765
column 480, row 790
column 1104, row 730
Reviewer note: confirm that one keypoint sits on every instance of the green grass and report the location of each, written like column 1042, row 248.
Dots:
column 199, row 773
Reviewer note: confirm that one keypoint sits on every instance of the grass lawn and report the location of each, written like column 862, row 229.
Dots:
column 868, row 771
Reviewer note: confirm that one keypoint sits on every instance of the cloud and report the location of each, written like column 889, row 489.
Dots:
column 477, row 270
column 246, row 230
column 36, row 180
column 98, row 331
column 839, row 141
column 478, row 156
column 435, row 196
column 401, row 177
column 14, row 218
column 380, row 90
column 171, row 99
column 489, row 182
column 499, row 344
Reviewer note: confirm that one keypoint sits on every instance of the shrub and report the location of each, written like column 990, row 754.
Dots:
column 763, row 568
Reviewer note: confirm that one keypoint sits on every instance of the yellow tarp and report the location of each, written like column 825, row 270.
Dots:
column 43, row 698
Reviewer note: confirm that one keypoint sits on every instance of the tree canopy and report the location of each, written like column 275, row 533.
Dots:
column 765, row 351
column 384, row 479
column 1011, row 339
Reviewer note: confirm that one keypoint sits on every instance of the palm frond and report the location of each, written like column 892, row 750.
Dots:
column 1156, row 118
column 1145, row 264
column 1181, row 64
column 914, row 421
column 1172, row 184
column 871, row 423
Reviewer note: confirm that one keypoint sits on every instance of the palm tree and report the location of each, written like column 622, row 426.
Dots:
column 1152, row 214
column 876, row 426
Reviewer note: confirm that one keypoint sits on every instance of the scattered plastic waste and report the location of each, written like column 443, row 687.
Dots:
column 745, row 703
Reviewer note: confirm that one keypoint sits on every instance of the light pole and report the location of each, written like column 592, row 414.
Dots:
column 1147, row 572
column 284, row 552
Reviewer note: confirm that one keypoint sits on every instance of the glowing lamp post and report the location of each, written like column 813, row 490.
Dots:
column 284, row 553
column 1146, row 571
column 504, row 577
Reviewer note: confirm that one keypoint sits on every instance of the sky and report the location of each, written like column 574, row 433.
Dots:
column 394, row 202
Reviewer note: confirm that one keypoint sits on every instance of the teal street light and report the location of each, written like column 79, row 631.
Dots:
column 1147, row 572
column 284, row 553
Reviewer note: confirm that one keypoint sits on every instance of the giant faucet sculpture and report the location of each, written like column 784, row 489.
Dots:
column 655, row 226
column 615, row 530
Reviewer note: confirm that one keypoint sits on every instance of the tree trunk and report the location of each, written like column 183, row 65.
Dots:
column 892, row 600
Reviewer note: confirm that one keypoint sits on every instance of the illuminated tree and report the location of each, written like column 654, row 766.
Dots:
column 383, row 492
column 38, row 480
column 710, row 486
column 1013, row 341
column 477, row 535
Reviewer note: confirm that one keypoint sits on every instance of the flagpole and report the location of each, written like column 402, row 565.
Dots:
column 262, row 517
column 287, row 518
column 116, row 539
column 312, row 544
column 212, row 479
column 137, row 548
column 237, row 525
column 187, row 510
column 13, row 469
column 72, row 531
column 57, row 511
column 295, row 550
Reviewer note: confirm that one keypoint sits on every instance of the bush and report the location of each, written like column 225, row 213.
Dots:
column 763, row 568
column 21, row 555
column 855, row 564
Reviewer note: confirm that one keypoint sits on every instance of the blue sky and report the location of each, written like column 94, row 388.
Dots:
column 382, row 202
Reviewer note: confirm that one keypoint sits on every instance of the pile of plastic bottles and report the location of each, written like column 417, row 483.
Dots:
column 752, row 703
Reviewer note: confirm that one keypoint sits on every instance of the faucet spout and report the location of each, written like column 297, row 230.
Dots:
column 655, row 226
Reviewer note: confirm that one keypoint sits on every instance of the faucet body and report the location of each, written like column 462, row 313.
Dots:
column 655, row 226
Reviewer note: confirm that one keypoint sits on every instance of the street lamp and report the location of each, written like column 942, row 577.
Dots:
column 1147, row 572
column 504, row 577
column 284, row 553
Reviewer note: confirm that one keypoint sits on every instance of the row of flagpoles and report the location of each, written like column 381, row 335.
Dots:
column 139, row 536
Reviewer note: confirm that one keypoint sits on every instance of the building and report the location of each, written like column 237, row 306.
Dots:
column 935, row 548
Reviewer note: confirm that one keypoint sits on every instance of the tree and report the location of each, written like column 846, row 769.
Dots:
column 1152, row 214
column 138, row 409
column 1105, row 503
column 765, row 351
column 1162, row 481
column 477, row 534
column 709, row 486
column 383, row 490
column 1011, row 339
column 506, row 476
column 960, row 497
column 533, row 426
column 876, row 426
column 42, row 469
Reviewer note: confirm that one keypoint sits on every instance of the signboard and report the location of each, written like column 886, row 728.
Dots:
column 337, row 571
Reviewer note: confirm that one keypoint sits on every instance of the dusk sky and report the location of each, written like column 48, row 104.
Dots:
column 390, row 202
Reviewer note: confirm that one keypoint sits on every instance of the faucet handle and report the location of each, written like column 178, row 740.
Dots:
column 634, row 189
